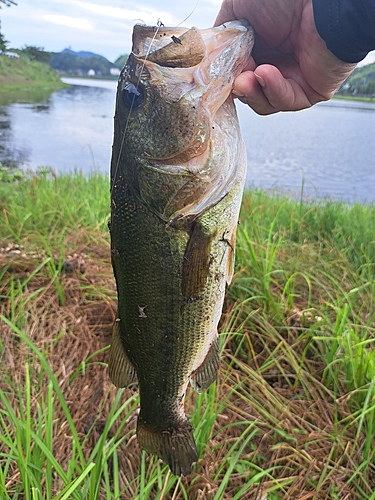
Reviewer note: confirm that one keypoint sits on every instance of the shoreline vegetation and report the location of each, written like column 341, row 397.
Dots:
column 354, row 98
column 21, row 74
column 292, row 414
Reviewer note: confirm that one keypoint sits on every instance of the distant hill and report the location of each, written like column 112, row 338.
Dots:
column 69, row 62
column 82, row 53
column 120, row 61
column 361, row 82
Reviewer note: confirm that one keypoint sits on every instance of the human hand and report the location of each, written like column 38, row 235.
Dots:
column 291, row 68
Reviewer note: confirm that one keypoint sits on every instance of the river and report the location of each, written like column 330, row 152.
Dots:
column 325, row 151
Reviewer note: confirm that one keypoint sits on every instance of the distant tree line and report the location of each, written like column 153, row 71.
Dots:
column 120, row 61
column 70, row 64
column 3, row 43
column 36, row 54
column 64, row 62
column 32, row 53
column 360, row 82
column 366, row 89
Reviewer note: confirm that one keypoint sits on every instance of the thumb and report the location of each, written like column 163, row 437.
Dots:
column 266, row 91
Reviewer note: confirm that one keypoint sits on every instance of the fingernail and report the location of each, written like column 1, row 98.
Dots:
column 237, row 93
column 260, row 80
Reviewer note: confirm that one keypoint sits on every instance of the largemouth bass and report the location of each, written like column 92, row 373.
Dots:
column 177, row 175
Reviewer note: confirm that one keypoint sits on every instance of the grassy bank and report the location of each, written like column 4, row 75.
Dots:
column 292, row 415
column 21, row 74
column 354, row 98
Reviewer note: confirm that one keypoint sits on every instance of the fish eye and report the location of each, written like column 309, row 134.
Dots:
column 133, row 96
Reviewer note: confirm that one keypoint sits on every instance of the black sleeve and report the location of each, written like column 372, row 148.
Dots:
column 347, row 27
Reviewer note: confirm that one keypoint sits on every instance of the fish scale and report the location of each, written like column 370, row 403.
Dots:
column 176, row 190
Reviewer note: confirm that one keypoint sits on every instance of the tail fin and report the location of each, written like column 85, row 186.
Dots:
column 176, row 445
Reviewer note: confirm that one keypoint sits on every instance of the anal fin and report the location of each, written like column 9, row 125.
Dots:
column 206, row 374
column 121, row 370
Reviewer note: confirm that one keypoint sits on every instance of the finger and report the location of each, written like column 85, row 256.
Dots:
column 285, row 94
column 249, row 91
column 225, row 13
column 279, row 93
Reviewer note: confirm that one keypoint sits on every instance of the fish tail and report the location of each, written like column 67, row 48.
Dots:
column 175, row 445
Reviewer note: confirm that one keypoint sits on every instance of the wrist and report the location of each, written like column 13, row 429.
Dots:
column 347, row 27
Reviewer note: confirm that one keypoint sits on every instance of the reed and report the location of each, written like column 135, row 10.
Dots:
column 292, row 414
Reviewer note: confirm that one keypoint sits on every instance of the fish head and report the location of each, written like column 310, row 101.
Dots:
column 170, row 93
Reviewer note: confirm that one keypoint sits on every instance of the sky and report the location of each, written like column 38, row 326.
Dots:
column 100, row 26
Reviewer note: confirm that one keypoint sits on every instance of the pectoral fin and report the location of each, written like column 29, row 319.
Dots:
column 206, row 374
column 196, row 262
column 121, row 369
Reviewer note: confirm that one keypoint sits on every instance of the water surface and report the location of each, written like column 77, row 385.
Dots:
column 328, row 150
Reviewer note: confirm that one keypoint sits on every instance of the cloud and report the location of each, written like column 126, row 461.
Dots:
column 96, row 25
column 71, row 22
column 370, row 58
column 149, row 16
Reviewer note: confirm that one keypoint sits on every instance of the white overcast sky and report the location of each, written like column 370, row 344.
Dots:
column 99, row 26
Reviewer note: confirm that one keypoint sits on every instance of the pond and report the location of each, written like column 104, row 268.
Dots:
column 325, row 151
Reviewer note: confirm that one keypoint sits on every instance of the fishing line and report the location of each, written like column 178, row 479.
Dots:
column 191, row 13
column 159, row 25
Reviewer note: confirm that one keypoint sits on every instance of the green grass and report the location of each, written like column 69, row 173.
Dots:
column 292, row 414
column 58, row 204
column 22, row 74
column 354, row 98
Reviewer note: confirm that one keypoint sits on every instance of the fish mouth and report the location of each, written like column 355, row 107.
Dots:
column 192, row 73
column 169, row 47
column 186, row 48
column 204, row 63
